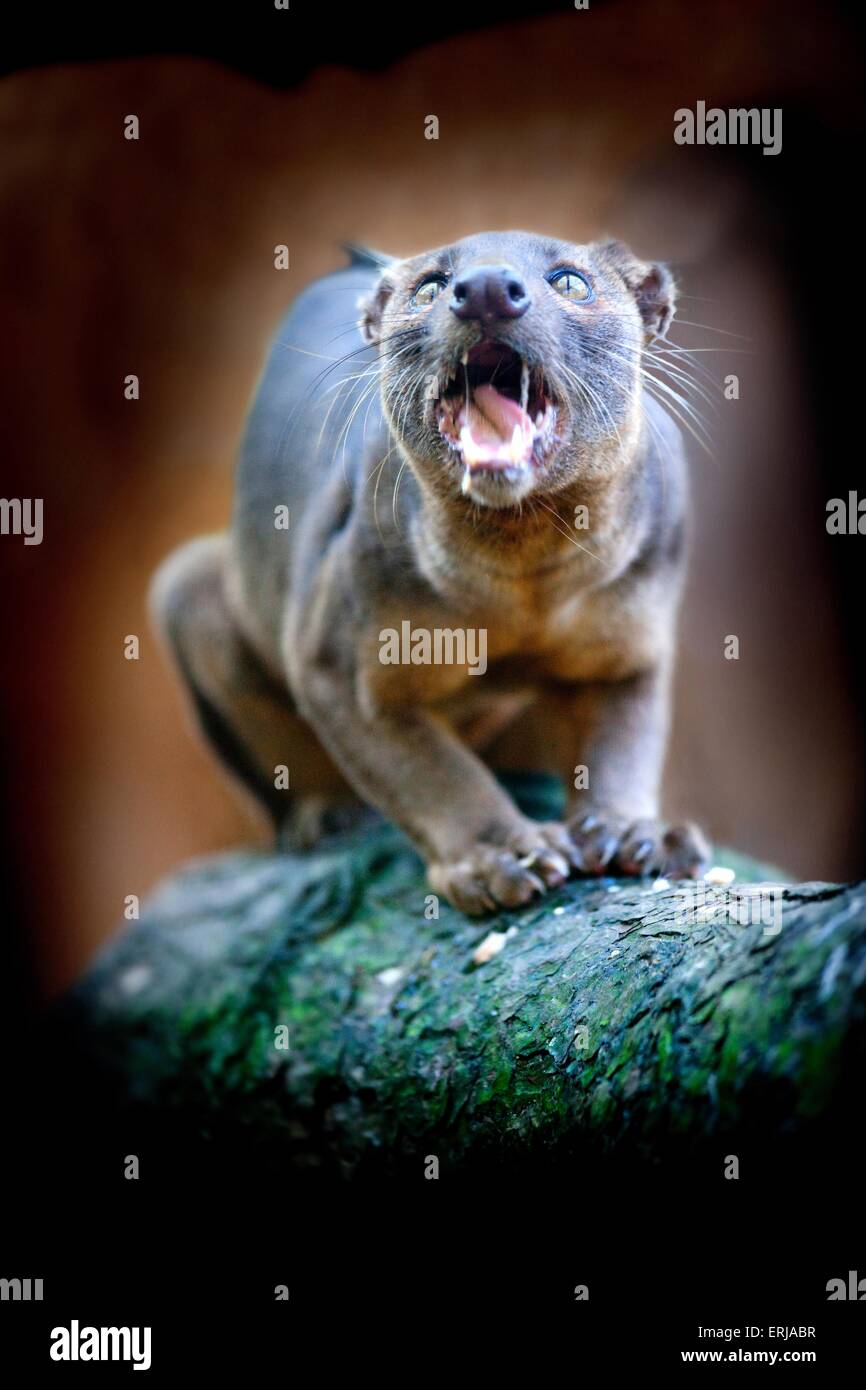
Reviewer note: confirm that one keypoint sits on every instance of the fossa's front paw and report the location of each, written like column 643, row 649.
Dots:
column 607, row 843
column 484, row 877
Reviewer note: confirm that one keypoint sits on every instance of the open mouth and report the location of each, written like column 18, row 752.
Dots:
column 495, row 411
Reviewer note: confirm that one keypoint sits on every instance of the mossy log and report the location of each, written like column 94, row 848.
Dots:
column 312, row 1007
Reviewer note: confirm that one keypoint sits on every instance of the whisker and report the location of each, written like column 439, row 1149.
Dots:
column 585, row 548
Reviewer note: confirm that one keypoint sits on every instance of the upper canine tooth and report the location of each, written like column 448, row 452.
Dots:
column 524, row 386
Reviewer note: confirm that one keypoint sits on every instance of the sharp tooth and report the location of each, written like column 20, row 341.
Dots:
column 465, row 358
column 539, row 420
column 466, row 484
column 516, row 445
column 524, row 386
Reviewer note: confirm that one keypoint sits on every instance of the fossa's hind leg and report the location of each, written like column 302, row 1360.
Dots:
column 244, row 712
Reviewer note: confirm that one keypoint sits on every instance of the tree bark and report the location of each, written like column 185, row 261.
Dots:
column 619, row 1018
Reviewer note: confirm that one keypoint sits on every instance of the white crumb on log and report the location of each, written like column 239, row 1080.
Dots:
column 133, row 980
column 492, row 944
column 392, row 976
column 718, row 874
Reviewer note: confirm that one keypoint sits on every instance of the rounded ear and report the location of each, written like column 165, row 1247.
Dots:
column 650, row 282
column 372, row 307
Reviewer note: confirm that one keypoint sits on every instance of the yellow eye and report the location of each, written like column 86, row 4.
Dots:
column 571, row 285
column 427, row 291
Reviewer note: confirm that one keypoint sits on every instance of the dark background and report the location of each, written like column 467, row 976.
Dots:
column 261, row 127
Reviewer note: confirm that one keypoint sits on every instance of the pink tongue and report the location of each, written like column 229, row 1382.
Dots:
column 494, row 429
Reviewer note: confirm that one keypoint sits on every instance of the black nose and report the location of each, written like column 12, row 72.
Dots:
column 488, row 292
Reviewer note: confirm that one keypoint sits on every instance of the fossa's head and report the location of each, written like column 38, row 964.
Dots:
column 510, row 362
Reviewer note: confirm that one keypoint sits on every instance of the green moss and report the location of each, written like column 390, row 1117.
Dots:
column 476, row 1057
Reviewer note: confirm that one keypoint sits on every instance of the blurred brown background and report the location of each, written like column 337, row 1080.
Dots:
column 156, row 257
